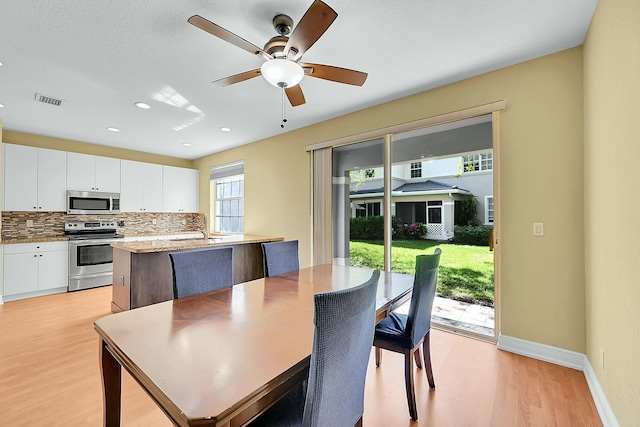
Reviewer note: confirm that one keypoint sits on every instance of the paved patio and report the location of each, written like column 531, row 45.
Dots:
column 461, row 315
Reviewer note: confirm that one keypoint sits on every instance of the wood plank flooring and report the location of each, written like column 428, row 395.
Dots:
column 49, row 376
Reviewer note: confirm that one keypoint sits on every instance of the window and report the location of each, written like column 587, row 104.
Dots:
column 367, row 209
column 488, row 209
column 477, row 162
column 416, row 170
column 434, row 212
column 227, row 188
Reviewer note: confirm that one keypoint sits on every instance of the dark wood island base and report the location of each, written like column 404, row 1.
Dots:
column 142, row 272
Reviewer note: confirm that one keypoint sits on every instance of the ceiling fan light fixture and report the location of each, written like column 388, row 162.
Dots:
column 282, row 72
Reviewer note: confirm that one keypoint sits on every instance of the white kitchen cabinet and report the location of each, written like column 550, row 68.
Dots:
column 33, row 269
column 141, row 187
column 179, row 189
column 34, row 179
column 93, row 173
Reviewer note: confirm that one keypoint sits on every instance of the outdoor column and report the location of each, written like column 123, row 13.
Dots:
column 341, row 218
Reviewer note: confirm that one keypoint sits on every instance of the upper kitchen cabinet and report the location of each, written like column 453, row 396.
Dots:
column 179, row 189
column 141, row 187
column 35, row 179
column 93, row 173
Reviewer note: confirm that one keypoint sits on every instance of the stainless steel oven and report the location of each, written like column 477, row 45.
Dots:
column 90, row 253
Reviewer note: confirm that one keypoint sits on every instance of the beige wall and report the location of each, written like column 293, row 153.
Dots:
column 612, row 202
column 41, row 141
column 541, row 149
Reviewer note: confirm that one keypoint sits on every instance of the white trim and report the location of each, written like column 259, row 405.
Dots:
column 342, row 261
column 1, row 302
column 600, row 399
column 340, row 180
column 569, row 359
column 559, row 356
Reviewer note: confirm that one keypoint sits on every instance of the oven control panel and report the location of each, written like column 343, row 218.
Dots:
column 89, row 225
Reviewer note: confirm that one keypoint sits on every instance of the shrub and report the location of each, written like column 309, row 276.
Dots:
column 367, row 228
column 372, row 228
column 471, row 235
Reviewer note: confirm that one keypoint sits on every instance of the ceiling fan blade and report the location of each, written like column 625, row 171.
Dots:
column 226, row 35
column 295, row 95
column 237, row 78
column 335, row 74
column 313, row 24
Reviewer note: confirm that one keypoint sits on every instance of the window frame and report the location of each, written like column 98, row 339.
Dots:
column 480, row 162
column 489, row 200
column 417, row 168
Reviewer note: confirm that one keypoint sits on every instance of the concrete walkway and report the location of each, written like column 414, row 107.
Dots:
column 461, row 315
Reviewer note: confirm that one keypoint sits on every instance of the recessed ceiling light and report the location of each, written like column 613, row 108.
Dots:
column 1, row 64
column 1, row 105
column 143, row 105
column 225, row 129
column 113, row 129
column 186, row 144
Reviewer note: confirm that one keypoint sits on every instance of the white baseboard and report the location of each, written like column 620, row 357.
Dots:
column 558, row 356
column 600, row 399
column 569, row 359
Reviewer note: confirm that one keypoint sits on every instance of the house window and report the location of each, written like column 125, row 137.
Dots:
column 434, row 212
column 416, row 170
column 488, row 209
column 477, row 162
column 367, row 209
column 227, row 188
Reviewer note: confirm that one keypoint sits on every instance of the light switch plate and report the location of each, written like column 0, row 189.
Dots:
column 538, row 229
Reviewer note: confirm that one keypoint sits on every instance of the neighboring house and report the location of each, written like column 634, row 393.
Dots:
column 428, row 191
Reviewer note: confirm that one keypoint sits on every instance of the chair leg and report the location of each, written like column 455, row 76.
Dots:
column 408, row 379
column 417, row 357
column 426, row 351
column 378, row 356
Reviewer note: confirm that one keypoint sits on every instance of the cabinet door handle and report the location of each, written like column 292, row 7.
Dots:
column 40, row 254
column 123, row 280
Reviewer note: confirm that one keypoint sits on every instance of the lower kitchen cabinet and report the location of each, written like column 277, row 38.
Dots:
column 34, row 269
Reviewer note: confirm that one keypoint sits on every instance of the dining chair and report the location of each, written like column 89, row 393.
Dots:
column 280, row 257
column 201, row 270
column 333, row 394
column 403, row 333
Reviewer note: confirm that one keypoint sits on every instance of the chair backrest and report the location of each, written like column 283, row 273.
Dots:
column 201, row 270
column 280, row 257
column 424, row 292
column 344, row 325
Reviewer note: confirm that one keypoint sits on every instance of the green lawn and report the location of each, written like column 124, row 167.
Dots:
column 466, row 272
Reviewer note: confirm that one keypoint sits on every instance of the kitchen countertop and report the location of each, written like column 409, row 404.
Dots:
column 38, row 239
column 151, row 246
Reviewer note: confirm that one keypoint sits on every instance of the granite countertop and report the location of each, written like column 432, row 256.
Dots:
column 150, row 246
column 38, row 239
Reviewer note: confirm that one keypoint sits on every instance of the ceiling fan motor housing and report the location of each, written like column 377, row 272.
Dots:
column 282, row 24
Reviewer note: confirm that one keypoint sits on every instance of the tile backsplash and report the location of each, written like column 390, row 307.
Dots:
column 51, row 224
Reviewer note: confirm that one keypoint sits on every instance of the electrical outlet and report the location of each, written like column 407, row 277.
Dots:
column 602, row 358
column 154, row 221
column 538, row 229
column 29, row 223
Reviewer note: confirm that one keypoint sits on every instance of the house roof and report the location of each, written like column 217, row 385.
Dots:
column 429, row 185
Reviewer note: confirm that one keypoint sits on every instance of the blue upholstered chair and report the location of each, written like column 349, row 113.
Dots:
column 404, row 333
column 201, row 270
column 333, row 395
column 280, row 257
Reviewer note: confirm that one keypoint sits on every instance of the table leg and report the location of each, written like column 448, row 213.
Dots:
column 112, row 384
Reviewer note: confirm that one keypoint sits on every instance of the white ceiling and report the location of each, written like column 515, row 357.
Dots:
column 101, row 57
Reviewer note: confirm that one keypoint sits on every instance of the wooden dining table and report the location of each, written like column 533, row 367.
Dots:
column 221, row 358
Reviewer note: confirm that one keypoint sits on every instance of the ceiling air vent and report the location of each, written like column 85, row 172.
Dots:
column 48, row 100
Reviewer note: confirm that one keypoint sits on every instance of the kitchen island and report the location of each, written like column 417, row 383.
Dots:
column 142, row 273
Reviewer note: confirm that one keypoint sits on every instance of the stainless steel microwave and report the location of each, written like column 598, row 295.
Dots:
column 92, row 203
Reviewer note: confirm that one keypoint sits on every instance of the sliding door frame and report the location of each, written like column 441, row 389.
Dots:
column 321, row 221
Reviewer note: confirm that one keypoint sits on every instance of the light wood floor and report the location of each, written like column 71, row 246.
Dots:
column 49, row 376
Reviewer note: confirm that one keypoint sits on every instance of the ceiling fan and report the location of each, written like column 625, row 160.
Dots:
column 283, row 52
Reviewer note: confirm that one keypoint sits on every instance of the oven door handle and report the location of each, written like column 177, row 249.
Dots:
column 89, row 242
